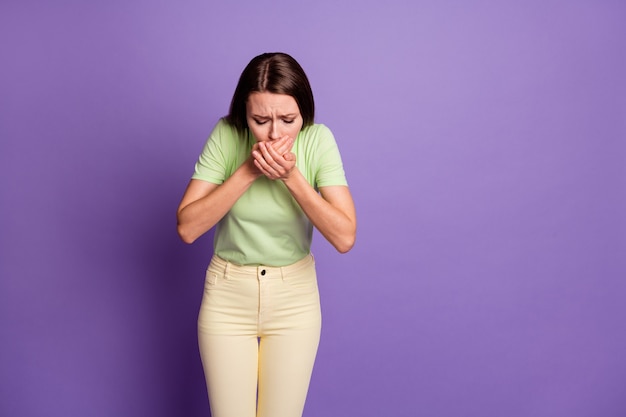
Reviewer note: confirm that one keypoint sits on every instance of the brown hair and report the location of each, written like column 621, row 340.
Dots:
column 276, row 73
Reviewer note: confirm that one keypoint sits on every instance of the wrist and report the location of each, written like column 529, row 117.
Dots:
column 291, row 179
column 248, row 171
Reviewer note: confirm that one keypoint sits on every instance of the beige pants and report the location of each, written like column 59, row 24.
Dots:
column 258, row 329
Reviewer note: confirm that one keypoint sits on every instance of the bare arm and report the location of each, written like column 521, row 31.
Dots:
column 204, row 204
column 332, row 212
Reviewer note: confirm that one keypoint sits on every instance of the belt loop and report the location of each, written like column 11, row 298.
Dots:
column 226, row 270
column 282, row 273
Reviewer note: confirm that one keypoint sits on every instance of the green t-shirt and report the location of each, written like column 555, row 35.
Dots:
column 266, row 226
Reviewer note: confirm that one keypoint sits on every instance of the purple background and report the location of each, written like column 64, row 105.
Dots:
column 484, row 143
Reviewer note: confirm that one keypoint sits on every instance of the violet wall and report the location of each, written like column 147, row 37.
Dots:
column 485, row 146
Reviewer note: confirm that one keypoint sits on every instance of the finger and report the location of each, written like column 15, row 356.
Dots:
column 271, row 156
column 283, row 164
column 266, row 161
column 281, row 158
column 264, row 168
column 283, row 145
column 269, row 151
column 259, row 165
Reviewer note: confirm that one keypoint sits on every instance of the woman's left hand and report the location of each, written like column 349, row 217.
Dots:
column 274, row 159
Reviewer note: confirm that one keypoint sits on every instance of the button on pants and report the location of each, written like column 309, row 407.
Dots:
column 258, row 332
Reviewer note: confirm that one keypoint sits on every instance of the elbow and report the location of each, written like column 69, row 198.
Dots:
column 343, row 249
column 185, row 232
column 346, row 241
column 184, row 235
column 345, row 244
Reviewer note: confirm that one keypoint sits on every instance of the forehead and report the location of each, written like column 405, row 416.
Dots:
column 271, row 102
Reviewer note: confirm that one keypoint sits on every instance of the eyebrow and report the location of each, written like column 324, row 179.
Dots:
column 258, row 116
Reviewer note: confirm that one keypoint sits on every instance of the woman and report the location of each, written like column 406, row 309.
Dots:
column 266, row 176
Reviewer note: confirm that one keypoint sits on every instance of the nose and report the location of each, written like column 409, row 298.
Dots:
column 274, row 133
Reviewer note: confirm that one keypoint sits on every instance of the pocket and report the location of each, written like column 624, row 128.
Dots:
column 211, row 277
column 303, row 283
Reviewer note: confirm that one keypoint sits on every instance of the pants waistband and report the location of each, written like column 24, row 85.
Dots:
column 262, row 270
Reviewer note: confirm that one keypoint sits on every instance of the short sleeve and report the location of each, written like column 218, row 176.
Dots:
column 214, row 162
column 329, row 166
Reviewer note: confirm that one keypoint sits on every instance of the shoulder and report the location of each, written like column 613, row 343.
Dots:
column 224, row 129
column 317, row 135
column 316, row 129
column 225, row 135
